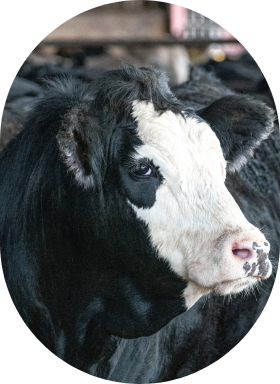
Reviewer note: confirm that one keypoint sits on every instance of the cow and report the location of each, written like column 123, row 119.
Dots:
column 116, row 222
column 242, row 75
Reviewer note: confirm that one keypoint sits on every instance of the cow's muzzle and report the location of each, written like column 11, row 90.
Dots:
column 254, row 256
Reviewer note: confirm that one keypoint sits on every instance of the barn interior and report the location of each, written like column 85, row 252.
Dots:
column 144, row 33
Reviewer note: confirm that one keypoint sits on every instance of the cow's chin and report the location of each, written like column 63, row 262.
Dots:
column 194, row 291
column 235, row 286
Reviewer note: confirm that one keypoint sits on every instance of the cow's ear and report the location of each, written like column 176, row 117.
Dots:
column 240, row 123
column 81, row 146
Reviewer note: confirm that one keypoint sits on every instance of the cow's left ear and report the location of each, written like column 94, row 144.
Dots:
column 80, row 141
column 240, row 123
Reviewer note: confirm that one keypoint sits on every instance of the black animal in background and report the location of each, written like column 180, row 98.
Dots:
column 20, row 100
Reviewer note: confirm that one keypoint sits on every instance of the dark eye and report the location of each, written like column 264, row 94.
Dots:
column 142, row 170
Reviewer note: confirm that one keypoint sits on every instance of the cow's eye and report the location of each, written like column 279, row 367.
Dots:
column 142, row 170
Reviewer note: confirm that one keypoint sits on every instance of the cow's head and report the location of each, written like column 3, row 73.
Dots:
column 193, row 220
column 161, row 169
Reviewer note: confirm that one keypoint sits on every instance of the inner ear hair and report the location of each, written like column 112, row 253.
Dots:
column 80, row 143
column 82, row 152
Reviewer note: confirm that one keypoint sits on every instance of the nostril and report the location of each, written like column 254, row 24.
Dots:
column 242, row 253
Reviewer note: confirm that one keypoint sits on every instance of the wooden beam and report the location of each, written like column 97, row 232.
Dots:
column 135, row 42
column 97, row 25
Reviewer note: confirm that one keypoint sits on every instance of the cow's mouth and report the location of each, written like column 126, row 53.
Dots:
column 194, row 291
column 235, row 286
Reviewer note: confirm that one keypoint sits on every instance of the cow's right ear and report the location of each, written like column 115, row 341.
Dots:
column 81, row 145
column 240, row 123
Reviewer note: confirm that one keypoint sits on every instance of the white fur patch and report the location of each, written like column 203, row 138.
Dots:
column 194, row 220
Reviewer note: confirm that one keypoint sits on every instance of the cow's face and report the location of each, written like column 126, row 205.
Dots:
column 177, row 189
column 165, row 169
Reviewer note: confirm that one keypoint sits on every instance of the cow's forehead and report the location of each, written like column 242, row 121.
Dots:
column 170, row 138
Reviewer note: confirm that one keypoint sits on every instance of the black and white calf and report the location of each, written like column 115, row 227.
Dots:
column 115, row 219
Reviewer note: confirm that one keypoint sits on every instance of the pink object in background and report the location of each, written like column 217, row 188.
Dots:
column 178, row 20
column 179, row 28
column 232, row 50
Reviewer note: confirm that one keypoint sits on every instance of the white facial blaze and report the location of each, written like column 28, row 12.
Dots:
column 194, row 220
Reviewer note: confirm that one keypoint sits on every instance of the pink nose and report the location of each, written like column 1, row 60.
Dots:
column 255, row 257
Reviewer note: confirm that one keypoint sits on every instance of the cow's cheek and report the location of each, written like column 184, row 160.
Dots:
column 165, row 223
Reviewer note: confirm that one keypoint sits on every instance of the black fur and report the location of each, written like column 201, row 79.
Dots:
column 79, row 266
column 240, row 122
